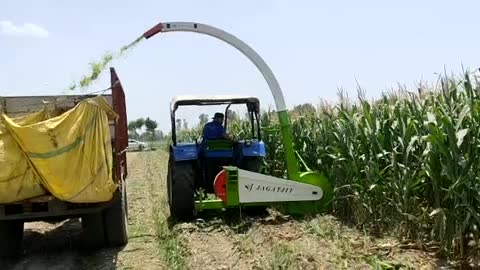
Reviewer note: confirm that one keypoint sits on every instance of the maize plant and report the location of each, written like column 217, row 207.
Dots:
column 406, row 164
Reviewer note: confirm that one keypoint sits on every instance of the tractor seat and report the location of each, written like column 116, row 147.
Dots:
column 218, row 144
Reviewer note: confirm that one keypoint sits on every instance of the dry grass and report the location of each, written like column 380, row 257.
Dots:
column 169, row 247
column 277, row 242
column 141, row 251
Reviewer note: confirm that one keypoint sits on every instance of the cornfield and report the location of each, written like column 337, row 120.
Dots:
column 404, row 165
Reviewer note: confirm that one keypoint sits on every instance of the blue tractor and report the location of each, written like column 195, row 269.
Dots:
column 193, row 165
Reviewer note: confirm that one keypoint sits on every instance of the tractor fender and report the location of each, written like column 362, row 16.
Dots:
column 183, row 152
column 253, row 149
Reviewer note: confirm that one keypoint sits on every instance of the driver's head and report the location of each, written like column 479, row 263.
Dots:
column 218, row 117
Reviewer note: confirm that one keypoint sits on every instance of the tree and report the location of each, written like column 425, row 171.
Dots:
column 150, row 125
column 132, row 130
column 203, row 119
column 185, row 124
column 159, row 135
column 179, row 124
column 304, row 109
column 139, row 123
column 134, row 126
column 232, row 115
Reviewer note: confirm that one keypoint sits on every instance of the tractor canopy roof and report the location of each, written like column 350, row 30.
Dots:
column 252, row 102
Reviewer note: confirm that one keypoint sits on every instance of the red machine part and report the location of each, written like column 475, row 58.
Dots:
column 220, row 185
column 121, row 129
column 152, row 31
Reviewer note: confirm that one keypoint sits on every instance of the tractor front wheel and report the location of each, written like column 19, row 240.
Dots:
column 181, row 185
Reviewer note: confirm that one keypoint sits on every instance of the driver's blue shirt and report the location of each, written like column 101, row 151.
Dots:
column 213, row 130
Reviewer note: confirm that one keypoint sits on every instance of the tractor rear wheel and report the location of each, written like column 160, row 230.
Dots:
column 181, row 181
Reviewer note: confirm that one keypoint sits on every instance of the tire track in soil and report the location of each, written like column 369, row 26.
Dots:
column 232, row 243
column 277, row 242
column 56, row 245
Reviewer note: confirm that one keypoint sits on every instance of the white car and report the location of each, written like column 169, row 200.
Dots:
column 136, row 145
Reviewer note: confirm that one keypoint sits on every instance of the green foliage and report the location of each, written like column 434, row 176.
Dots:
column 304, row 109
column 185, row 124
column 139, row 123
column 232, row 115
column 98, row 67
column 203, row 119
column 406, row 164
column 178, row 125
column 132, row 126
column 150, row 125
column 135, row 128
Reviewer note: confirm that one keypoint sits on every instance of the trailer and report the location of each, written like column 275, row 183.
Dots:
column 103, row 224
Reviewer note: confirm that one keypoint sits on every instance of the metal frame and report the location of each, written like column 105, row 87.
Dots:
column 252, row 103
column 55, row 208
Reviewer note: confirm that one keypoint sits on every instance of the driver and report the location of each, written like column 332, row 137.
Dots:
column 215, row 129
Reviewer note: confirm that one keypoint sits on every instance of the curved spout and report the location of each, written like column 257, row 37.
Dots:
column 233, row 41
column 267, row 73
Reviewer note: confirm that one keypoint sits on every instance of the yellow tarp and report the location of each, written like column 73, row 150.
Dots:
column 68, row 156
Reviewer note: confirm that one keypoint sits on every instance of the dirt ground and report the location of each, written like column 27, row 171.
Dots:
column 229, row 240
column 277, row 242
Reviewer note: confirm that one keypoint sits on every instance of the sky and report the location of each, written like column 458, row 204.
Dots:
column 313, row 48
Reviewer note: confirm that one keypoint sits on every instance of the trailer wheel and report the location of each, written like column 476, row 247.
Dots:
column 93, row 232
column 182, row 181
column 115, row 220
column 11, row 235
